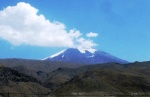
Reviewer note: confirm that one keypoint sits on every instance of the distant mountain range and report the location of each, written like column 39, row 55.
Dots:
column 74, row 55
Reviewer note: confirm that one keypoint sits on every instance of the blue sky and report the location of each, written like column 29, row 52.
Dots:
column 35, row 29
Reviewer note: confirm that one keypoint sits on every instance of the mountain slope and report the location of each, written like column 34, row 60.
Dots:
column 14, row 82
column 8, row 74
column 85, row 57
column 62, row 75
column 111, row 79
column 36, row 68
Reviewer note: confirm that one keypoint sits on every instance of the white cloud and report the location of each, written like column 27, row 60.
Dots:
column 92, row 34
column 86, row 45
column 21, row 24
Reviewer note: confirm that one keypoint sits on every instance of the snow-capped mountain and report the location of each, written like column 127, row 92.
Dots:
column 84, row 57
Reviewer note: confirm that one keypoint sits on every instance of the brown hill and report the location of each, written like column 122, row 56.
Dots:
column 111, row 79
column 36, row 68
column 14, row 82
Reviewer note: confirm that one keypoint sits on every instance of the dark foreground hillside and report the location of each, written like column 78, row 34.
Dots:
column 14, row 82
column 36, row 68
column 129, row 79
column 73, row 79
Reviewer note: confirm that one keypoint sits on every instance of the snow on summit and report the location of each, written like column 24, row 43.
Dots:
column 90, row 56
column 91, row 50
column 57, row 53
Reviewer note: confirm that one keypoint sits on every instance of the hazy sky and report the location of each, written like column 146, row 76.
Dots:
column 35, row 29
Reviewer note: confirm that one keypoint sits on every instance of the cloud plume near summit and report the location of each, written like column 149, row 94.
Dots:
column 21, row 24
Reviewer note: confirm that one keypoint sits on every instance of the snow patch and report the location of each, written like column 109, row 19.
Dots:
column 52, row 56
column 91, row 50
column 62, row 56
column 91, row 56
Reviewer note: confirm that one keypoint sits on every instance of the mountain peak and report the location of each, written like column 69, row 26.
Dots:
column 81, row 56
column 73, row 49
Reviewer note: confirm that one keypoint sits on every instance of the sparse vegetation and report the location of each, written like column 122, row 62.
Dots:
column 111, row 78
column 101, row 79
column 14, row 82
